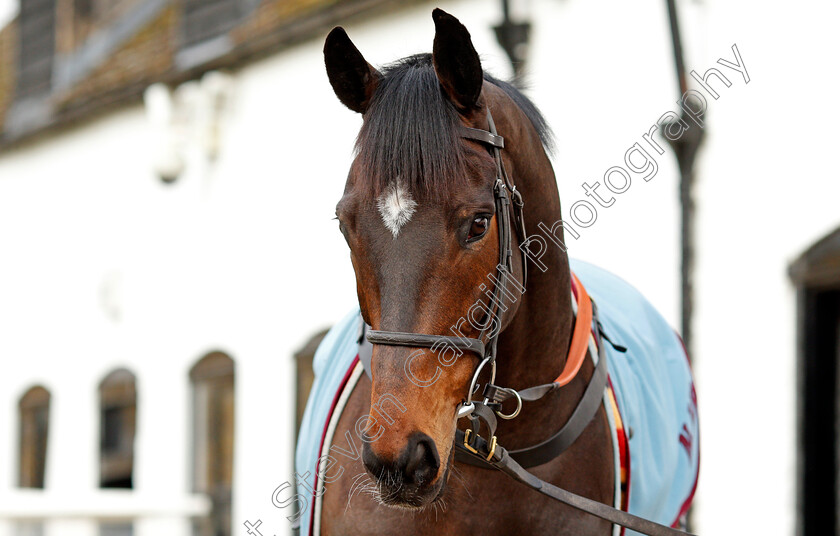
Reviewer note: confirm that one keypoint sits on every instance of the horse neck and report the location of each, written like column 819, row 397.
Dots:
column 532, row 349
column 534, row 346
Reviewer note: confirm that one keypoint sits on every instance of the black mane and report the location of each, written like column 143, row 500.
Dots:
column 410, row 130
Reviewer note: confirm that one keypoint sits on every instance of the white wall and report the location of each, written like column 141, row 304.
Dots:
column 768, row 191
column 241, row 255
column 214, row 261
column 8, row 10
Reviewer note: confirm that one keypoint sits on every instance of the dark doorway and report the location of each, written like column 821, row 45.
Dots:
column 817, row 276
column 819, row 418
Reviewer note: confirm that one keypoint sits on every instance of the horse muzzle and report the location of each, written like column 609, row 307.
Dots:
column 411, row 480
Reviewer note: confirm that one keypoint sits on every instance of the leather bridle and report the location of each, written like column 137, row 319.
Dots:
column 509, row 218
column 471, row 447
column 507, row 200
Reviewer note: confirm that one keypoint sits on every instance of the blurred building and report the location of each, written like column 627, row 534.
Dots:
column 155, row 289
column 168, row 263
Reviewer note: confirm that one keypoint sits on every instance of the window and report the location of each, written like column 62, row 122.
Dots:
column 37, row 47
column 34, row 425
column 99, row 10
column 205, row 19
column 117, row 414
column 116, row 528
column 213, row 435
column 28, row 528
column 83, row 8
column 817, row 277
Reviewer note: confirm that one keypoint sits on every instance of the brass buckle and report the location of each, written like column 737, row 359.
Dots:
column 467, row 441
column 492, row 448
column 470, row 448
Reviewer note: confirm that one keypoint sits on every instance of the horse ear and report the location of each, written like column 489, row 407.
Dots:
column 353, row 79
column 456, row 61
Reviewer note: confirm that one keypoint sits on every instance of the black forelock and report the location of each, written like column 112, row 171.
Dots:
column 410, row 132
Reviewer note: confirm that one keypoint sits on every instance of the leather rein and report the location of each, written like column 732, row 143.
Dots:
column 471, row 447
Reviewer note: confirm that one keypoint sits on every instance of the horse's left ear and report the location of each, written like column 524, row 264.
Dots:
column 456, row 62
column 353, row 79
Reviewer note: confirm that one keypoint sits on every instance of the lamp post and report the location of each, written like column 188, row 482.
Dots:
column 685, row 149
column 513, row 37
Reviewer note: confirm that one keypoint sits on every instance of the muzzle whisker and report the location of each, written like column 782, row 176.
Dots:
column 460, row 476
column 355, row 488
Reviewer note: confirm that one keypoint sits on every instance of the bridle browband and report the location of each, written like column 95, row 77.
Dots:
column 471, row 447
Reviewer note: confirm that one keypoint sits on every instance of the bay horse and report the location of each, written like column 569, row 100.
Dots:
column 433, row 213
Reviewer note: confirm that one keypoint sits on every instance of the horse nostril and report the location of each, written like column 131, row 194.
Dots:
column 421, row 459
column 418, row 463
column 371, row 461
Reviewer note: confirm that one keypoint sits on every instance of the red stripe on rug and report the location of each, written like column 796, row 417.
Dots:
column 324, row 436
column 623, row 456
column 687, row 504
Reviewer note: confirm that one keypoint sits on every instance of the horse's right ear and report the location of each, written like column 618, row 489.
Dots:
column 353, row 79
column 456, row 62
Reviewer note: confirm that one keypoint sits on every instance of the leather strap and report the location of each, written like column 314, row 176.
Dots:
column 580, row 335
column 496, row 142
column 578, row 348
column 585, row 411
column 420, row 340
column 474, row 449
column 365, row 348
column 483, row 136
column 500, row 459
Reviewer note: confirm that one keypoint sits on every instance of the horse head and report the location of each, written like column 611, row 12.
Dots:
column 420, row 216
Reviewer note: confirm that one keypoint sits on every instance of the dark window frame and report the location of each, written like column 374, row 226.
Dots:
column 117, row 429
column 213, row 383
column 205, row 20
column 37, row 26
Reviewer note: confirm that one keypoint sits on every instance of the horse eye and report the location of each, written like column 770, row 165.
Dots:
column 478, row 228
